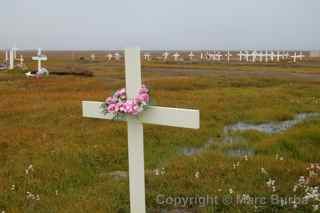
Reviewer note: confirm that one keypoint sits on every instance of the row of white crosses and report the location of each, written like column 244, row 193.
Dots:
column 254, row 56
column 10, row 56
column 175, row 117
column 268, row 55
column 116, row 56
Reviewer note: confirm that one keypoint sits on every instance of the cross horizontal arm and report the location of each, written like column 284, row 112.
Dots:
column 185, row 118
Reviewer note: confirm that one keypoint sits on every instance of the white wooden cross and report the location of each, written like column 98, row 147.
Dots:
column 165, row 56
column 176, row 56
column 185, row 118
column 267, row 56
column 109, row 56
column 93, row 57
column 191, row 55
column 21, row 60
column 11, row 59
column 147, row 57
column 295, row 56
column 228, row 56
column 39, row 58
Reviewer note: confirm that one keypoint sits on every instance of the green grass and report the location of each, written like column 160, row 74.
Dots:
column 41, row 124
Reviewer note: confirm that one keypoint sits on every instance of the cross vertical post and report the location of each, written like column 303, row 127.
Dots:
column 11, row 58
column 135, row 134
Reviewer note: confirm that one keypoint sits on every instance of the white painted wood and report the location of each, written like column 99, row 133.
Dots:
column 153, row 115
column 21, row 60
column 228, row 56
column 165, row 116
column 39, row 58
column 11, row 58
column 267, row 56
column 135, row 134
column 133, row 72
column 136, row 166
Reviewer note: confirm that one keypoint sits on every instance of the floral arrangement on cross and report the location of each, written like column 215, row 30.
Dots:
column 120, row 106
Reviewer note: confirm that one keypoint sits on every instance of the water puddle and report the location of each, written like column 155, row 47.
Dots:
column 268, row 128
column 239, row 152
column 272, row 127
column 191, row 151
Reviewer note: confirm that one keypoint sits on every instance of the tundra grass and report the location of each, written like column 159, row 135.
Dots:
column 71, row 156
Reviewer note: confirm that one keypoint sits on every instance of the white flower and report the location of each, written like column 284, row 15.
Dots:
column 281, row 158
column 302, row 180
column 230, row 191
column 274, row 189
column 157, row 172
column 29, row 169
column 236, row 165
column 295, row 205
column 270, row 182
column 162, row 171
column 246, row 158
column 197, row 175
column 263, row 171
column 315, row 208
column 13, row 187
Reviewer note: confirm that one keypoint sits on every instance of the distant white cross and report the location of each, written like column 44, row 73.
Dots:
column 294, row 57
column 218, row 56
column 117, row 56
column 240, row 54
column 165, row 56
column 176, row 56
column 254, row 56
column 109, row 56
column 201, row 56
column 39, row 58
column 300, row 56
column 272, row 55
column 247, row 55
column 278, row 56
column 228, row 55
column 175, row 117
column 191, row 55
column 11, row 59
column 147, row 57
column 15, row 52
column 267, row 56
column 21, row 60
column 93, row 57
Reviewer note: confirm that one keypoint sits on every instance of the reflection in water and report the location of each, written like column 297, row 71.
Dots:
column 268, row 128
column 272, row 127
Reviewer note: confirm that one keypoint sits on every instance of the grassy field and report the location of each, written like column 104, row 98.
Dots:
column 54, row 160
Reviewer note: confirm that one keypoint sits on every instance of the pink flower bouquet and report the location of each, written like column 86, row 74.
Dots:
column 119, row 106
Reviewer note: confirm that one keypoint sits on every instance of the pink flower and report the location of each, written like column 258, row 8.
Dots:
column 120, row 92
column 118, row 103
column 131, row 107
column 112, row 108
column 143, row 89
column 143, row 98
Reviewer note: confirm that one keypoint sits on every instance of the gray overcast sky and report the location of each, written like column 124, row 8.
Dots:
column 162, row 24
